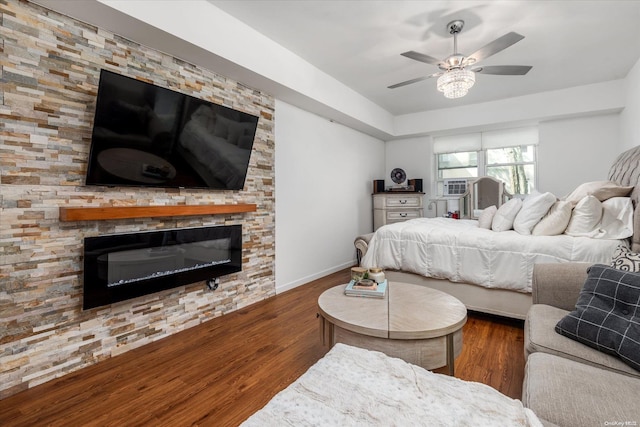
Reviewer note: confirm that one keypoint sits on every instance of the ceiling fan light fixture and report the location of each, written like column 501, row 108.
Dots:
column 456, row 83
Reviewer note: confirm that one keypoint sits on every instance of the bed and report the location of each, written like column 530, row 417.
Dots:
column 492, row 271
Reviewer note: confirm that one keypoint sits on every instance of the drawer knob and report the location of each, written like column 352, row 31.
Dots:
column 402, row 202
column 403, row 215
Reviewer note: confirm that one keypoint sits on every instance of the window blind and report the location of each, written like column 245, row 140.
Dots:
column 457, row 143
column 510, row 137
column 483, row 140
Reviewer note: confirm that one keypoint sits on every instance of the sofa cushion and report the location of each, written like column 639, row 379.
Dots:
column 606, row 314
column 540, row 336
column 568, row 393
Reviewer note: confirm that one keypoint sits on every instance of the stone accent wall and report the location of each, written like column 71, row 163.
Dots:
column 50, row 67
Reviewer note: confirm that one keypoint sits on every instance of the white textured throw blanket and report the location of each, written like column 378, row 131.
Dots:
column 460, row 251
column 355, row 387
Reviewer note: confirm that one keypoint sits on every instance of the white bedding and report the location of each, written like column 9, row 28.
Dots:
column 355, row 387
column 460, row 251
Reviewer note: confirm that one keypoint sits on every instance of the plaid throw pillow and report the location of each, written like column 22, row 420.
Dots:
column 607, row 314
column 624, row 259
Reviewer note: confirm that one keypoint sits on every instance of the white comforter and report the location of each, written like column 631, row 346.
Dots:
column 460, row 251
column 355, row 387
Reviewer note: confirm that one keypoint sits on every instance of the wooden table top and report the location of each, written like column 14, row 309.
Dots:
column 407, row 311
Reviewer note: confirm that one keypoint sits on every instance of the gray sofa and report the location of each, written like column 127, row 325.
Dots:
column 568, row 383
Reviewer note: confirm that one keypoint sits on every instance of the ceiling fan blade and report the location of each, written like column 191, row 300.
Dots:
column 503, row 70
column 496, row 46
column 419, row 79
column 422, row 57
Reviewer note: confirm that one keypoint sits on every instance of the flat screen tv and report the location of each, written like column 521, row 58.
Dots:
column 146, row 135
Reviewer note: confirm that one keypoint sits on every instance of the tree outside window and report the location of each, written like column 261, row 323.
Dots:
column 515, row 166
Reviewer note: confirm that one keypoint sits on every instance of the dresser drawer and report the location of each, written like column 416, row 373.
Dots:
column 398, row 201
column 396, row 216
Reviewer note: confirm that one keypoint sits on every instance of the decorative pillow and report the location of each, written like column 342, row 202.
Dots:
column 607, row 313
column 617, row 219
column 534, row 207
column 555, row 221
column 601, row 190
column 486, row 217
column 624, row 259
column 585, row 217
column 503, row 219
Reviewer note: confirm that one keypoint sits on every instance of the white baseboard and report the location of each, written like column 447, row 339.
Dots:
column 312, row 277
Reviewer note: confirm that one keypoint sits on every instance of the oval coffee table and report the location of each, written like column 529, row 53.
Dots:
column 420, row 325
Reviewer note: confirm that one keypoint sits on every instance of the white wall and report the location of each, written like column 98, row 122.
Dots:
column 324, row 180
column 578, row 150
column 414, row 156
column 629, row 118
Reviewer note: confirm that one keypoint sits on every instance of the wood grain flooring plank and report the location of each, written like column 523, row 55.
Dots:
column 220, row 372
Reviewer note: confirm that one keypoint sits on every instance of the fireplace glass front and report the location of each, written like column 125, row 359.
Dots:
column 124, row 266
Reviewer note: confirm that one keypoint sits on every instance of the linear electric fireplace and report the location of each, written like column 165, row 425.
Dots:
column 123, row 266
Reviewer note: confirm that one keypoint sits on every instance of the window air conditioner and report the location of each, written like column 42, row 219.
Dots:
column 455, row 187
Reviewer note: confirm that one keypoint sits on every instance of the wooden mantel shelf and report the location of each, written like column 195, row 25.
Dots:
column 120, row 212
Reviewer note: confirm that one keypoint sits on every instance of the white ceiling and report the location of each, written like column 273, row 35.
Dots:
column 568, row 43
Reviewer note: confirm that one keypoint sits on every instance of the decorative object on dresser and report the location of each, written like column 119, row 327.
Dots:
column 416, row 184
column 389, row 208
column 378, row 186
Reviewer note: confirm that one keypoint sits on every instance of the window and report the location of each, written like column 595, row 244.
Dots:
column 457, row 165
column 508, row 155
column 515, row 166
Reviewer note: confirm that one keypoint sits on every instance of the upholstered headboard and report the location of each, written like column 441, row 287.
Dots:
column 626, row 171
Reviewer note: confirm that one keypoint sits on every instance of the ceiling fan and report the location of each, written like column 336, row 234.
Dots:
column 458, row 71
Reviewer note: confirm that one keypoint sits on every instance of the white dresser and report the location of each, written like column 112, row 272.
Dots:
column 396, row 207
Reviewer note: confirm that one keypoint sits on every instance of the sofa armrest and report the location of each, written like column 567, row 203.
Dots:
column 558, row 284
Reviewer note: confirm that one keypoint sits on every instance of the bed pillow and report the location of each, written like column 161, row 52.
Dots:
column 486, row 217
column 624, row 259
column 617, row 219
column 602, row 190
column 607, row 315
column 503, row 219
column 585, row 217
column 534, row 207
column 555, row 221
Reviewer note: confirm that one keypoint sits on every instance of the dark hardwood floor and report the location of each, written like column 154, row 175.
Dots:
column 222, row 371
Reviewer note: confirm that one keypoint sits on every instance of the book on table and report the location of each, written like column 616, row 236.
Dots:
column 359, row 289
